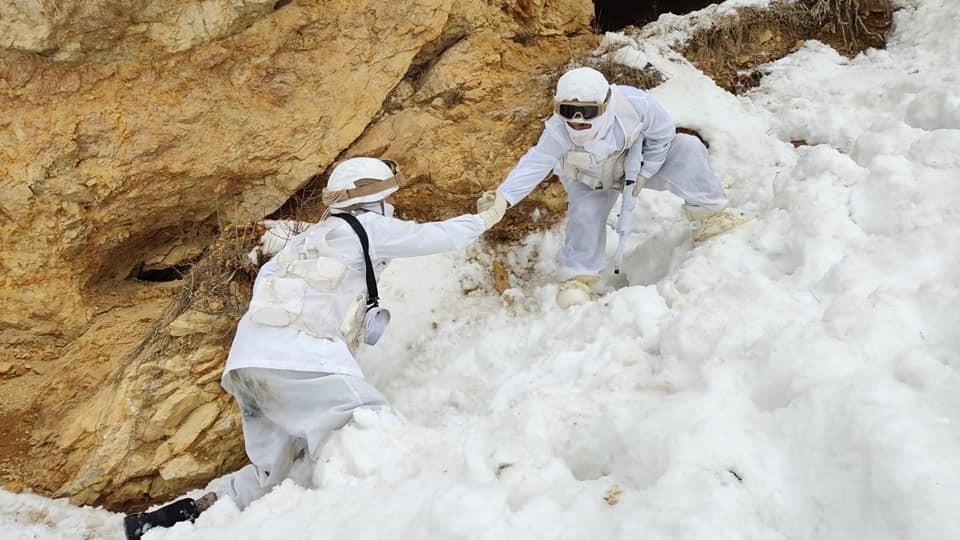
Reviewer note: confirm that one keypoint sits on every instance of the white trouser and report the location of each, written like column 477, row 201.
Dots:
column 287, row 416
column 686, row 173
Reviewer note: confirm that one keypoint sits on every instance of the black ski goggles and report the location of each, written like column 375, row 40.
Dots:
column 578, row 111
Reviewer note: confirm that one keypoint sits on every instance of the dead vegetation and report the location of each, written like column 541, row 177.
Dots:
column 452, row 97
column 730, row 49
column 646, row 78
column 220, row 282
column 524, row 37
column 858, row 24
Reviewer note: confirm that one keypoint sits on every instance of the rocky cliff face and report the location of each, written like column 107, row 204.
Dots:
column 139, row 139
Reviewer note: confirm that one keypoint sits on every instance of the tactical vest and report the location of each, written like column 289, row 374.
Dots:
column 308, row 287
column 605, row 172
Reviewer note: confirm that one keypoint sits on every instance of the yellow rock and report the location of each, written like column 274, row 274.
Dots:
column 131, row 147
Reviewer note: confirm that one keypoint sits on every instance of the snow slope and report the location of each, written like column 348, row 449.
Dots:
column 796, row 378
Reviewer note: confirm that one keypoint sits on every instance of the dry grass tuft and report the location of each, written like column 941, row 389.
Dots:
column 524, row 37
column 730, row 49
column 858, row 23
column 452, row 97
column 617, row 73
column 221, row 281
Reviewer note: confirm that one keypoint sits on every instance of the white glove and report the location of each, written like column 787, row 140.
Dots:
column 637, row 185
column 486, row 200
column 491, row 206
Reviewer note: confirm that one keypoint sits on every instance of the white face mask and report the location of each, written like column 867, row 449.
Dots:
column 598, row 128
column 580, row 137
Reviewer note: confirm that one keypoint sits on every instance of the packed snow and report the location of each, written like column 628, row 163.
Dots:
column 796, row 378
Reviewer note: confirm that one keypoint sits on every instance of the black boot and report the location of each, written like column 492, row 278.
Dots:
column 183, row 510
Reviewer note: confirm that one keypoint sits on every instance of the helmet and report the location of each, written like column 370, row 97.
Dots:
column 361, row 180
column 582, row 84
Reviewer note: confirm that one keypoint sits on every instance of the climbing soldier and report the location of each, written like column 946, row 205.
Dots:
column 601, row 141
column 291, row 367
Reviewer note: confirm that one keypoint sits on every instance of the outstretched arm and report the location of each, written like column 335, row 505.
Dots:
column 532, row 168
column 392, row 238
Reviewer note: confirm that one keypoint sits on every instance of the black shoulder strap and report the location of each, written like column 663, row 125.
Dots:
column 373, row 297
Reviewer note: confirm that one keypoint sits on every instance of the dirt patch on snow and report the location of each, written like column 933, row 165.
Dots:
column 730, row 49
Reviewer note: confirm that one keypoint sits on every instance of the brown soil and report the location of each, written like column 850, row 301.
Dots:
column 15, row 447
column 730, row 49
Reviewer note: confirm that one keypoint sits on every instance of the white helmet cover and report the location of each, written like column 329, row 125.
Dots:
column 582, row 84
column 361, row 180
column 589, row 87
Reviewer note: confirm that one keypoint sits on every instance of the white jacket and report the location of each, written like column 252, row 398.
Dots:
column 656, row 134
column 311, row 342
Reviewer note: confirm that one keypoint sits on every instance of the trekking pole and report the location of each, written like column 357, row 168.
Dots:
column 624, row 224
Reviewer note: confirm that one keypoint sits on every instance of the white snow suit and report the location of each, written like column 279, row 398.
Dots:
column 642, row 141
column 291, row 367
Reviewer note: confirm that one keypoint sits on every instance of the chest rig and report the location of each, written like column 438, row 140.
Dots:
column 605, row 172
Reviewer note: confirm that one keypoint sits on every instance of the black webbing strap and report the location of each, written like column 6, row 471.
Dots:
column 373, row 297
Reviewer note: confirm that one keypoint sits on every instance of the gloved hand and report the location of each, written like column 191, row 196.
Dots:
column 637, row 185
column 486, row 200
column 491, row 206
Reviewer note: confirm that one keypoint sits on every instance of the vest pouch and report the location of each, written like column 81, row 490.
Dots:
column 578, row 166
column 277, row 301
column 324, row 278
column 320, row 273
column 300, row 292
column 581, row 160
column 590, row 181
column 584, row 167
column 352, row 323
